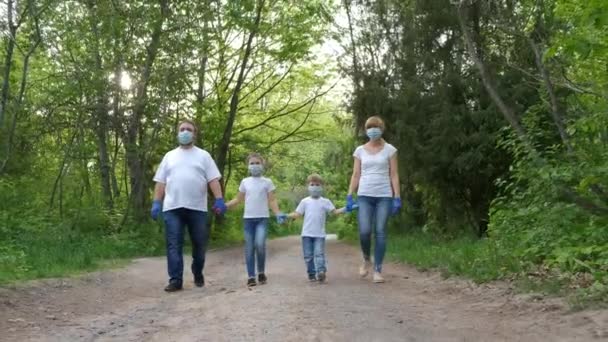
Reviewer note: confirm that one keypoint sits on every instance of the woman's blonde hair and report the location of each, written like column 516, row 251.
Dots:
column 374, row 121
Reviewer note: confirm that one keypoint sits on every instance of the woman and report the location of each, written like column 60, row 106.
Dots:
column 376, row 180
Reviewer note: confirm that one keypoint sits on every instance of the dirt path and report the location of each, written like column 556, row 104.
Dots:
column 129, row 305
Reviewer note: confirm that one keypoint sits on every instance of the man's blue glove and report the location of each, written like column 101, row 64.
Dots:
column 157, row 206
column 349, row 203
column 281, row 218
column 219, row 207
column 396, row 206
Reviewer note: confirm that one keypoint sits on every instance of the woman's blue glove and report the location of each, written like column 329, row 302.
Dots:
column 349, row 203
column 219, row 207
column 157, row 206
column 396, row 206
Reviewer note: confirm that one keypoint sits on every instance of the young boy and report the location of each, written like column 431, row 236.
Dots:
column 314, row 209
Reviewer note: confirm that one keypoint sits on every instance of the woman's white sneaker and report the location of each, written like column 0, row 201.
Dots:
column 364, row 269
column 378, row 278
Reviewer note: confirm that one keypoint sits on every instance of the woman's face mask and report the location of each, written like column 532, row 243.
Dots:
column 374, row 133
column 315, row 190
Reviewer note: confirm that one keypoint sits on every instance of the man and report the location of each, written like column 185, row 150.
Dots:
column 181, row 191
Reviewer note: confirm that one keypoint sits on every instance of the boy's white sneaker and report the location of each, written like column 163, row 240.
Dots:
column 364, row 268
column 378, row 278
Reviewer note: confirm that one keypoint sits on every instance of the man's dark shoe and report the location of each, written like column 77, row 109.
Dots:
column 172, row 287
column 312, row 277
column 262, row 278
column 251, row 282
column 199, row 281
column 321, row 277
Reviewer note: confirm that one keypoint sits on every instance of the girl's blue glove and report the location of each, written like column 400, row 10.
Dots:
column 281, row 218
column 157, row 206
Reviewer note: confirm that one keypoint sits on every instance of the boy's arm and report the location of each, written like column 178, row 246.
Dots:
column 339, row 211
column 294, row 215
column 239, row 198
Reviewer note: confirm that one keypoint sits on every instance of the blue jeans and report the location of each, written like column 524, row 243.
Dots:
column 374, row 212
column 196, row 221
column 314, row 254
column 255, row 244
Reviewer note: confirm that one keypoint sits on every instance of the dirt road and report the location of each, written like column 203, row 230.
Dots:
column 129, row 305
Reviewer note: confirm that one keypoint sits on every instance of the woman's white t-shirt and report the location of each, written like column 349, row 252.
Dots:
column 186, row 173
column 256, row 191
column 375, row 178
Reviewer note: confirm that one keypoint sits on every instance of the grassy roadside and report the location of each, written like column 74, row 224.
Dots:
column 484, row 261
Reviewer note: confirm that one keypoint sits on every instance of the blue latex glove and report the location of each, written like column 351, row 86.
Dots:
column 355, row 207
column 156, row 208
column 349, row 203
column 281, row 218
column 219, row 207
column 396, row 206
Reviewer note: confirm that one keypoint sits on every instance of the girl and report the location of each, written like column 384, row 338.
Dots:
column 258, row 194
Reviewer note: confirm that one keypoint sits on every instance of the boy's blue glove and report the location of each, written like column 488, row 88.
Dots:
column 157, row 206
column 219, row 207
column 396, row 206
column 281, row 218
column 349, row 203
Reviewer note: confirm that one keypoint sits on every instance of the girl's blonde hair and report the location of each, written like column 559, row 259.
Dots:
column 257, row 156
column 314, row 178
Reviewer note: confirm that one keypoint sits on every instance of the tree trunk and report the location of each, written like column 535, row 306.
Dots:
column 234, row 101
column 8, row 60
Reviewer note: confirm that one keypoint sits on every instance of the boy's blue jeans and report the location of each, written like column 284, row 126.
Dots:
column 255, row 244
column 314, row 254
column 196, row 221
column 373, row 213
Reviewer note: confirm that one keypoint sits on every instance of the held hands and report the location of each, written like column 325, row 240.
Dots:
column 156, row 208
column 350, row 203
column 281, row 218
column 219, row 207
column 396, row 206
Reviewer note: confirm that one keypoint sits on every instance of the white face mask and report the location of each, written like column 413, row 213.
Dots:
column 256, row 170
column 374, row 133
column 315, row 190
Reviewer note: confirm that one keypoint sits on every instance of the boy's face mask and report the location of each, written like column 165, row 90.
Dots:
column 256, row 170
column 315, row 190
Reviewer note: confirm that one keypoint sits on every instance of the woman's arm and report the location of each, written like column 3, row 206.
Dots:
column 273, row 204
column 354, row 179
column 239, row 199
column 394, row 173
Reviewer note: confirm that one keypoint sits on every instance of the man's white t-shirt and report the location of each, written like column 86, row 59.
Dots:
column 256, row 191
column 186, row 173
column 315, row 212
column 375, row 178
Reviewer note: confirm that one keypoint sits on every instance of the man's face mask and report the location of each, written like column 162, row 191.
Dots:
column 185, row 137
column 374, row 133
column 315, row 190
column 256, row 170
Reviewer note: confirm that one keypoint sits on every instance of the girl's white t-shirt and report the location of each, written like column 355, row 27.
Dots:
column 186, row 173
column 375, row 178
column 256, row 191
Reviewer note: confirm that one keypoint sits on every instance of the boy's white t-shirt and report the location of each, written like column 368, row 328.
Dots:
column 186, row 173
column 315, row 212
column 375, row 178
column 256, row 191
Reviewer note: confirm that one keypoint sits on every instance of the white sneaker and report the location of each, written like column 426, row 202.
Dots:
column 378, row 278
column 364, row 268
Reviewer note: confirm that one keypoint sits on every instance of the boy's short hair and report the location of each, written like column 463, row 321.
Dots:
column 314, row 178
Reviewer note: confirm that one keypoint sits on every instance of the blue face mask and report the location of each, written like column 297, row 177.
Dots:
column 315, row 190
column 374, row 133
column 256, row 170
column 185, row 137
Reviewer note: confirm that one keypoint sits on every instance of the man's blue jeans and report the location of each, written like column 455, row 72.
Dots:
column 255, row 244
column 175, row 221
column 314, row 254
column 374, row 213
